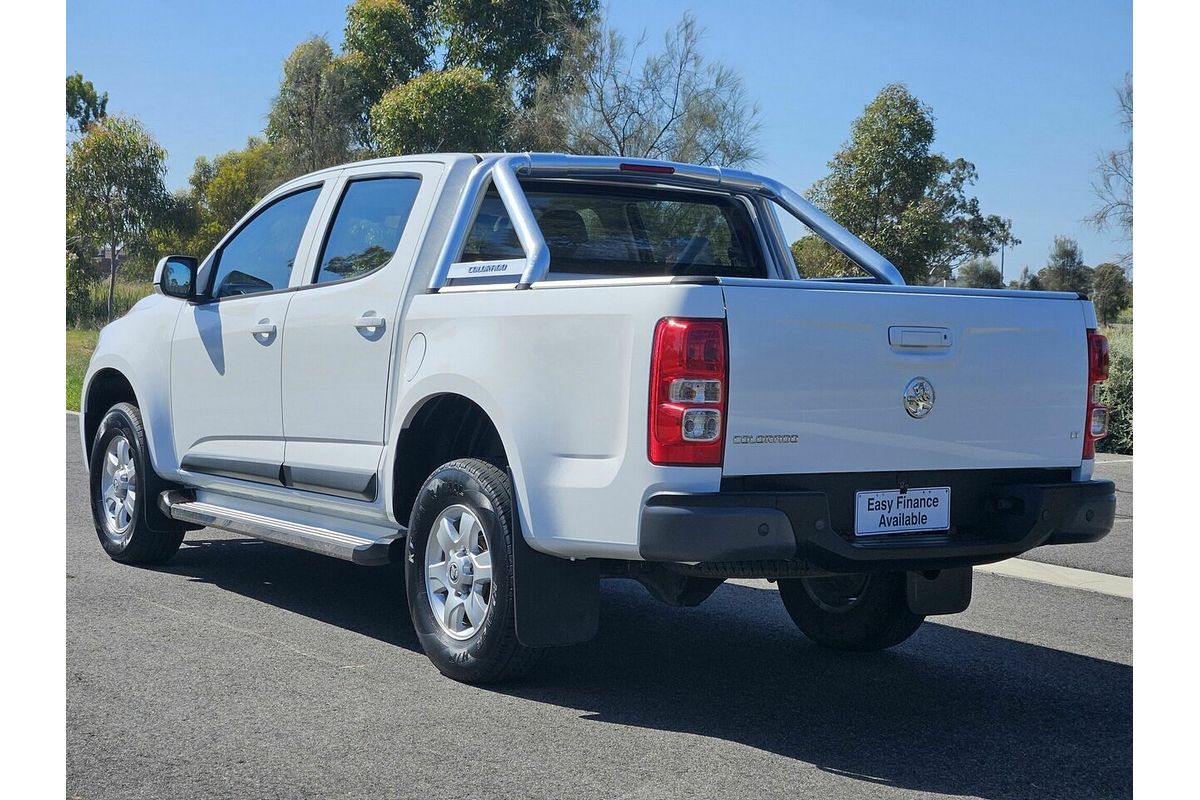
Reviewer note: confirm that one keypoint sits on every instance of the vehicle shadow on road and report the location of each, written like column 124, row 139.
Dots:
column 951, row 711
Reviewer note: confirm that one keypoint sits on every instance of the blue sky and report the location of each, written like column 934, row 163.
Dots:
column 1023, row 89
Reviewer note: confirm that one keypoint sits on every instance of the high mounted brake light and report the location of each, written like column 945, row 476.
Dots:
column 1096, row 422
column 688, row 374
column 657, row 169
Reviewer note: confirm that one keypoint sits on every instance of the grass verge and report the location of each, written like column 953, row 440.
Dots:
column 80, row 344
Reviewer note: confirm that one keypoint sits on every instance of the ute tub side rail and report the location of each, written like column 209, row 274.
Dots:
column 501, row 171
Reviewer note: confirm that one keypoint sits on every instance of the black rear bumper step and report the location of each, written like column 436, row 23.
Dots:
column 797, row 525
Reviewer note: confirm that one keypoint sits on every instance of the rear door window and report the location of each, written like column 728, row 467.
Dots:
column 367, row 227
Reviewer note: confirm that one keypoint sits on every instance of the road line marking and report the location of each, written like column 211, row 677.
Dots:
column 1023, row 569
column 255, row 634
column 73, row 413
column 1067, row 577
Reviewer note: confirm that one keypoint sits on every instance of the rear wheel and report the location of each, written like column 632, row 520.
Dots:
column 123, row 488
column 851, row 612
column 458, row 574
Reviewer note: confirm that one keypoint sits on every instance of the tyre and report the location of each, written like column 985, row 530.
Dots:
column 459, row 577
column 851, row 612
column 124, row 489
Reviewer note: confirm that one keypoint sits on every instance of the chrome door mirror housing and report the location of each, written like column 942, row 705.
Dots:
column 175, row 276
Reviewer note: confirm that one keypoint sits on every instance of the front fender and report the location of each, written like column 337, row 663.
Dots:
column 138, row 347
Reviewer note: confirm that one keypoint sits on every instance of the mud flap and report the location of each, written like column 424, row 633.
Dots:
column 557, row 600
column 942, row 591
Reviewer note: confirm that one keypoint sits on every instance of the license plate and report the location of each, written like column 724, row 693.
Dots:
column 894, row 511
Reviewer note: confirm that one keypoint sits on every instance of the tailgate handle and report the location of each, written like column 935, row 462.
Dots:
column 927, row 339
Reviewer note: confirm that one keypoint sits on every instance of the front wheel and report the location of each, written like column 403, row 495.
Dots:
column 851, row 612
column 459, row 577
column 123, row 487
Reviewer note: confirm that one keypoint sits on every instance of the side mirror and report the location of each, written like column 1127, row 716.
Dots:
column 175, row 276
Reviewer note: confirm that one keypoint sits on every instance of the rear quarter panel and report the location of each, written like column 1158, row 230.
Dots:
column 562, row 372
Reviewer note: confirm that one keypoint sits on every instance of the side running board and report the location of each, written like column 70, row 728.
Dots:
column 347, row 546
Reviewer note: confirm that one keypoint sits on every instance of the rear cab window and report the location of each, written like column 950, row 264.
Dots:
column 604, row 231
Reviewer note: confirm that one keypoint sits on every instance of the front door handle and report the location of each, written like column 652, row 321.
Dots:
column 369, row 321
column 264, row 331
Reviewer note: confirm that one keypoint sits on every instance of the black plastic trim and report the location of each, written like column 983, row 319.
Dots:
column 573, row 615
column 243, row 469
column 701, row 280
column 354, row 484
column 770, row 525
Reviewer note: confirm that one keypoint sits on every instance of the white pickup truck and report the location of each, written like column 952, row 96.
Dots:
column 522, row 373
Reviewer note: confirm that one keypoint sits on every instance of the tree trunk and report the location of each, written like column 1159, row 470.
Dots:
column 112, row 279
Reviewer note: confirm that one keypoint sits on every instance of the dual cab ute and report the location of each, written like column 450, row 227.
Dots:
column 520, row 374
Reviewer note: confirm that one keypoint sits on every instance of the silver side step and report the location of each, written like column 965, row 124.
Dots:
column 350, row 547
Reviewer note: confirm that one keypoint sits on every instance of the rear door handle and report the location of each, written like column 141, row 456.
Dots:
column 369, row 321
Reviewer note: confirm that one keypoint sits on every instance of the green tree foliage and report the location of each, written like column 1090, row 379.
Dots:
column 1114, row 184
column 610, row 99
column 513, row 42
column 84, row 105
column 814, row 261
column 310, row 121
column 358, row 263
column 115, row 190
column 451, row 110
column 1065, row 271
column 221, row 191
column 888, row 187
column 1110, row 292
column 1026, row 280
column 979, row 273
column 239, row 179
column 392, row 42
column 387, row 42
column 81, row 276
column 1117, row 392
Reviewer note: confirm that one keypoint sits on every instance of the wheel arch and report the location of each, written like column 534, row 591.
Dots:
column 112, row 380
column 439, row 428
column 107, row 387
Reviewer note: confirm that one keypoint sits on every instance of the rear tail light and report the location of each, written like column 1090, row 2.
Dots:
column 688, row 373
column 1096, row 422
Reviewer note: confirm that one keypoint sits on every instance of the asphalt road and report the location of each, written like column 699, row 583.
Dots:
column 1113, row 554
column 249, row 670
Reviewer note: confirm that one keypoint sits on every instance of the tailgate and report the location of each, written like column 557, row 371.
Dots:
column 818, row 380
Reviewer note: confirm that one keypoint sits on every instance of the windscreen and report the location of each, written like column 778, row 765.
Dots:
column 604, row 230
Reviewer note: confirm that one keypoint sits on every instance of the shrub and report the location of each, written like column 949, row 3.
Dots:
column 81, row 277
column 1117, row 392
column 89, row 308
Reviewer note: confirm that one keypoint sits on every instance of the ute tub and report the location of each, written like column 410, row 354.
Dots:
column 998, row 521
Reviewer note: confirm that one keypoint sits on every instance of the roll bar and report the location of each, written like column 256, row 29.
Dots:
column 501, row 171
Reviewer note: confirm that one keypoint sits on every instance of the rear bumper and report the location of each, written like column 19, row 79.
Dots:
column 797, row 526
